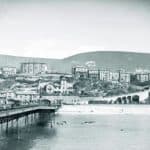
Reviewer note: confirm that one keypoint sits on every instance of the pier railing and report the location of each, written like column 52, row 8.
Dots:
column 14, row 113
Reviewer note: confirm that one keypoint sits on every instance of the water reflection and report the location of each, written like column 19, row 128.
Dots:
column 80, row 132
column 22, row 137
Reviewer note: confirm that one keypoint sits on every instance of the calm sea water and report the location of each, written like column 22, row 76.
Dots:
column 81, row 132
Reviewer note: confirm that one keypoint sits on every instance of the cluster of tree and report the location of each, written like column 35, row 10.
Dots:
column 87, row 87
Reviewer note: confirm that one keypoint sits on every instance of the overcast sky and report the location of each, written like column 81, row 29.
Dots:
column 60, row 28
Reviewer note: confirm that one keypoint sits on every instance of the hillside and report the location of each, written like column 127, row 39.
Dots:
column 7, row 60
column 113, row 60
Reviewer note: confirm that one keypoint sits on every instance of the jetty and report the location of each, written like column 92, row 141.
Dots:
column 11, row 114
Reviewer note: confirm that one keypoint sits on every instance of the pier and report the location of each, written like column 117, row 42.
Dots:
column 28, row 113
column 11, row 114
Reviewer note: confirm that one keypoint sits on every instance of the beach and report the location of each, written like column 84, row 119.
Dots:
column 105, row 109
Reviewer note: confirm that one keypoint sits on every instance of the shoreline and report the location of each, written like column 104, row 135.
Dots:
column 105, row 109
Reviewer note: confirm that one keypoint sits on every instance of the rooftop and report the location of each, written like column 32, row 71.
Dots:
column 33, row 63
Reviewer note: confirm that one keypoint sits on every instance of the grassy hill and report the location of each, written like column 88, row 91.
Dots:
column 7, row 60
column 113, row 60
column 103, row 59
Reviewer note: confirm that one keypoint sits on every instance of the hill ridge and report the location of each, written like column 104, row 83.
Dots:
column 104, row 59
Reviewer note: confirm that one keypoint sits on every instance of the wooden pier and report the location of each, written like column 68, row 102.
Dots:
column 12, row 114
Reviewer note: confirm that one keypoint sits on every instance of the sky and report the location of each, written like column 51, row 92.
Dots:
column 61, row 28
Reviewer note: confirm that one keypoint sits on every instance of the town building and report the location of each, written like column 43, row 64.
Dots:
column 114, row 76
column 27, row 78
column 33, row 68
column 142, row 77
column 27, row 96
column 66, row 86
column 3, row 99
column 8, row 71
column 93, row 74
column 5, row 96
column 90, row 65
column 124, row 77
column 141, row 70
column 53, row 88
column 80, row 72
column 54, row 76
column 104, row 75
column 10, row 94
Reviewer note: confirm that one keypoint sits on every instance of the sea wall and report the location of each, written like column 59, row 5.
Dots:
column 105, row 109
column 84, row 100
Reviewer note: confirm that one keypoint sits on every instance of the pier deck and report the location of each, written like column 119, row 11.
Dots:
column 7, row 115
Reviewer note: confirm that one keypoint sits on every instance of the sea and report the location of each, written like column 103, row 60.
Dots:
column 80, row 131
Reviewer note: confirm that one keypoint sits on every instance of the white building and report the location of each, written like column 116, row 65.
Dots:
column 27, row 96
column 143, row 77
column 6, row 95
column 90, row 64
column 125, row 77
column 10, row 94
column 33, row 68
column 93, row 74
column 114, row 76
column 141, row 71
column 104, row 75
column 66, row 87
column 8, row 71
column 80, row 71
column 51, row 88
column 63, row 87
column 3, row 99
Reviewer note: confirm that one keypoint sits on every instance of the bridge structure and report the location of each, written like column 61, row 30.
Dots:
column 28, row 112
column 130, row 98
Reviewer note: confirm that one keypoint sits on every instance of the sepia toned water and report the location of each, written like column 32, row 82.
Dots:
column 81, row 132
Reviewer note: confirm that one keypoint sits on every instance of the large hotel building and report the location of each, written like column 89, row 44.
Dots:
column 33, row 68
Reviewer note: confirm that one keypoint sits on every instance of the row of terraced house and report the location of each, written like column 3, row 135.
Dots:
column 111, row 76
column 101, row 74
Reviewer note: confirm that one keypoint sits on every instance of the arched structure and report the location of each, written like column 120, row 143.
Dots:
column 131, row 98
